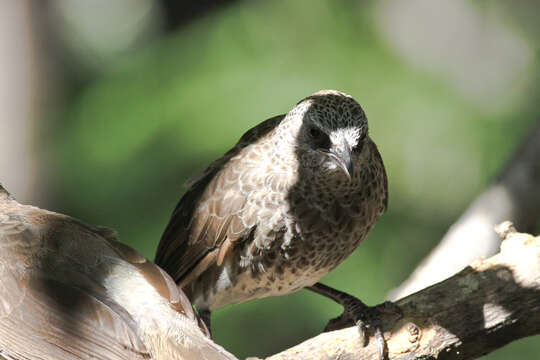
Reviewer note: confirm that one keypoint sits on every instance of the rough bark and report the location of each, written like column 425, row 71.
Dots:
column 482, row 308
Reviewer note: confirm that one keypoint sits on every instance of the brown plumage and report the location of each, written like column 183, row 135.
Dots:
column 70, row 291
column 281, row 209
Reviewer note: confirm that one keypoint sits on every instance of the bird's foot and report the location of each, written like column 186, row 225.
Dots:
column 367, row 319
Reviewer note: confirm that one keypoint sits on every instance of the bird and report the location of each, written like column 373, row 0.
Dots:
column 70, row 290
column 285, row 206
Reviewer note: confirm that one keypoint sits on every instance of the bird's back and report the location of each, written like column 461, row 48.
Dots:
column 70, row 290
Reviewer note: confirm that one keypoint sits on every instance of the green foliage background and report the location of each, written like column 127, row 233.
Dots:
column 122, row 150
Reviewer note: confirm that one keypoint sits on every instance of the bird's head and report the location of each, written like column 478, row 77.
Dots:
column 331, row 132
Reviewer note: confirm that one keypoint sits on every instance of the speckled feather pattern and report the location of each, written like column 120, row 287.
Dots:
column 273, row 216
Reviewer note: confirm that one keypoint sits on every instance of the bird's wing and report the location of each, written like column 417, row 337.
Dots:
column 69, row 290
column 159, row 280
column 52, row 311
column 379, row 159
column 212, row 214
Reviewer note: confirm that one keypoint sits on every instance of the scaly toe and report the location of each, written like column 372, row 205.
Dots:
column 368, row 321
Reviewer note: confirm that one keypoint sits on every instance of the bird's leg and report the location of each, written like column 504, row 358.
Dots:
column 356, row 312
column 204, row 315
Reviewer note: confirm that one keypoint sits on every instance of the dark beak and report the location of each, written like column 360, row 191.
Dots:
column 343, row 158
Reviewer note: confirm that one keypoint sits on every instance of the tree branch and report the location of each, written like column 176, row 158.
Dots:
column 485, row 306
column 514, row 196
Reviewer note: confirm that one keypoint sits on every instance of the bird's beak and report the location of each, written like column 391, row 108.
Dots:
column 341, row 154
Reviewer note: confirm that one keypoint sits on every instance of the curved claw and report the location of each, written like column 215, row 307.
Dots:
column 381, row 343
column 362, row 333
column 379, row 338
column 366, row 319
column 356, row 312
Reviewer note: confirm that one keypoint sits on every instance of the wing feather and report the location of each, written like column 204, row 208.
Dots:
column 69, row 290
column 51, row 312
column 211, row 214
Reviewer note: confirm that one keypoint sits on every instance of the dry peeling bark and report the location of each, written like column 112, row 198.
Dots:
column 485, row 306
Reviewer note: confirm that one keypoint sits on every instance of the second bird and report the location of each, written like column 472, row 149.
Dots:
column 281, row 209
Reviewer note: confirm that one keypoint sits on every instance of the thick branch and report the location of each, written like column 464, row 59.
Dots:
column 485, row 306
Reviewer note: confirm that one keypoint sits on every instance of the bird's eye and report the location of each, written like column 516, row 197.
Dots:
column 316, row 133
column 320, row 139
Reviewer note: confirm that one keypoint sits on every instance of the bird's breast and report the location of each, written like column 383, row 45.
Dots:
column 304, row 229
